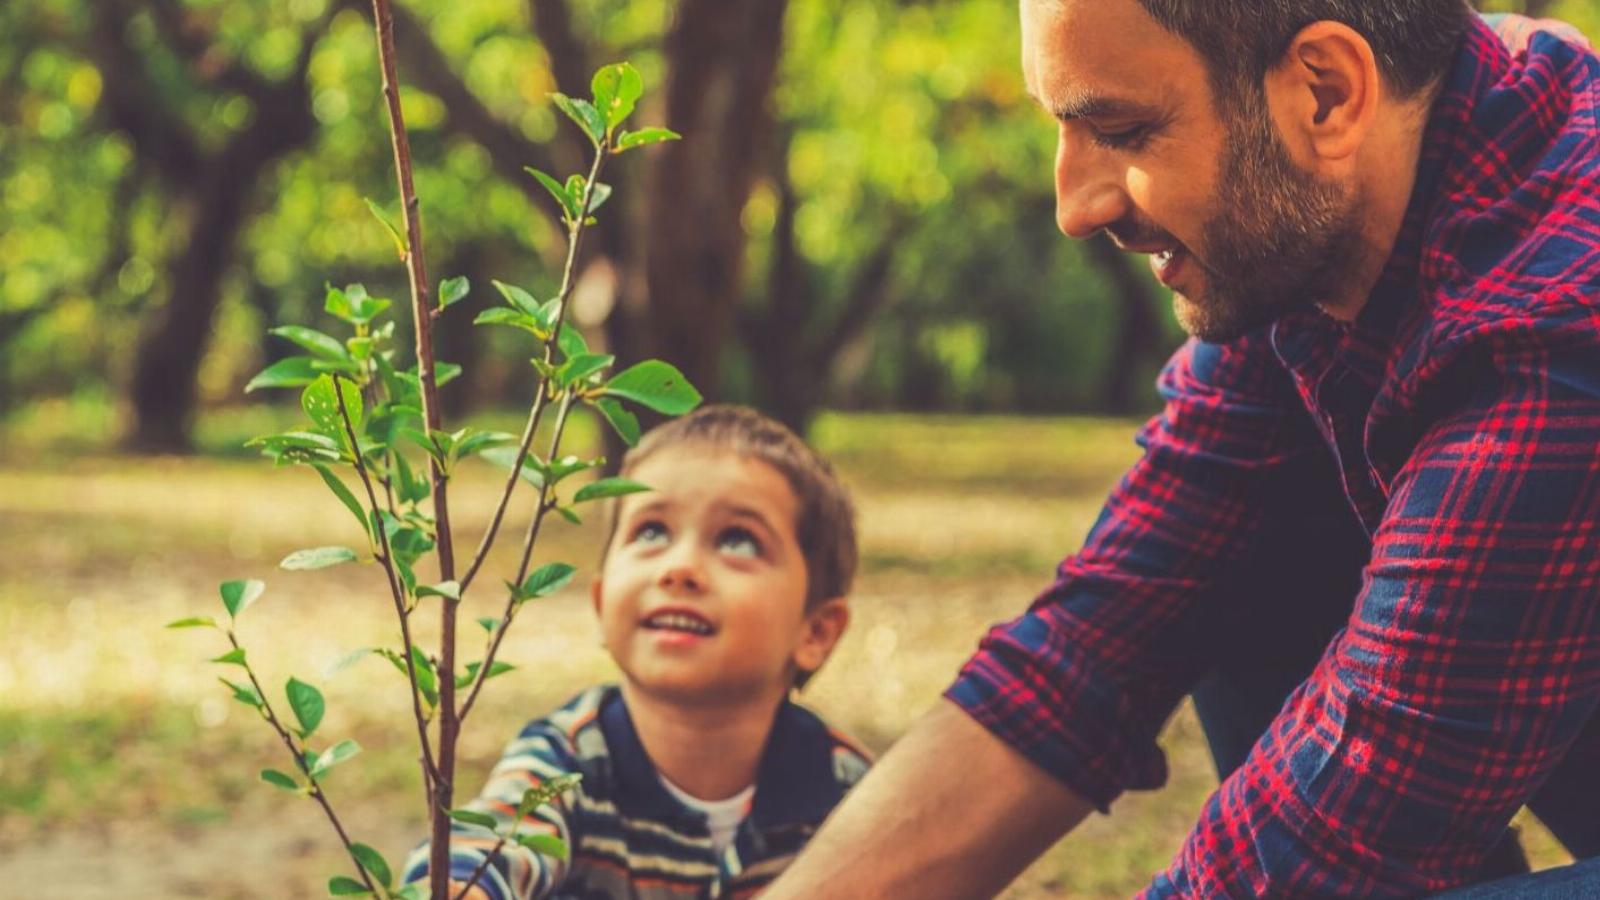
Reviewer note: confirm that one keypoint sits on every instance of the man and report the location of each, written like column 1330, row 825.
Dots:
column 1384, row 229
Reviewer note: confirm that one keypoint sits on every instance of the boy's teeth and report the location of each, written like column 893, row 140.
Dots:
column 679, row 622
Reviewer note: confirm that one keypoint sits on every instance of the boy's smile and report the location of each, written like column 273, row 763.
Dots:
column 702, row 598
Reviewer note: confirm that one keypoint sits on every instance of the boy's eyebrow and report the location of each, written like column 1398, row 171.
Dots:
column 747, row 511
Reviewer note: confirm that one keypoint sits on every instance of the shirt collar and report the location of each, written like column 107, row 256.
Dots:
column 1480, row 61
column 794, row 781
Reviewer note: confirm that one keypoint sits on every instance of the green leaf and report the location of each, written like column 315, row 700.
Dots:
column 238, row 595
column 623, row 422
column 394, row 234
column 310, row 339
column 506, row 457
column 608, row 487
column 344, row 495
column 451, row 589
column 568, row 465
column 499, row 315
column 374, row 863
column 478, row 441
column 293, row 371
column 488, row 623
column 546, row 580
column 569, row 202
column 307, row 703
column 631, row 139
column 427, row 679
column 322, row 405
column 548, row 790
column 279, row 779
column 353, row 305
column 570, row 514
column 466, row 678
column 445, row 372
column 350, row 659
column 318, row 558
column 598, row 197
column 344, row 886
column 584, row 113
column 234, row 657
column 617, row 89
column 571, row 342
column 470, row 817
column 656, row 385
column 244, row 694
column 334, row 755
column 411, row 891
column 581, row 366
column 544, row 845
column 195, row 622
column 410, row 488
column 453, row 289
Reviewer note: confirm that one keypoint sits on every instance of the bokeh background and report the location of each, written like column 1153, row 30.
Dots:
column 856, row 235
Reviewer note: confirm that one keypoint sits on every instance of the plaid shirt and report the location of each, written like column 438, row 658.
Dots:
column 1461, row 415
column 630, row 837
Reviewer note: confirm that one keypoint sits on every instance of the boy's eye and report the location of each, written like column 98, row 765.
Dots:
column 739, row 542
column 649, row 533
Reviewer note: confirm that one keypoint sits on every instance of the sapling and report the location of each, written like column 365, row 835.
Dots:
column 368, row 418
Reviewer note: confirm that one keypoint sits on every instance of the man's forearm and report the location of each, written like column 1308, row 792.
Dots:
column 950, row 812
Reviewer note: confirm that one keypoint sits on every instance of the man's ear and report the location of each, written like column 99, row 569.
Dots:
column 1323, row 94
column 823, row 626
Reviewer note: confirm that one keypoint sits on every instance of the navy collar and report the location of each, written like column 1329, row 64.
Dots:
column 795, row 783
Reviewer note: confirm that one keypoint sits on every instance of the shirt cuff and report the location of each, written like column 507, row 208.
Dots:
column 1039, row 693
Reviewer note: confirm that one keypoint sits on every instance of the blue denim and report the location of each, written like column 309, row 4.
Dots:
column 1579, row 881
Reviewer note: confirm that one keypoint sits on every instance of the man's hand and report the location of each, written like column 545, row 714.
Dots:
column 951, row 811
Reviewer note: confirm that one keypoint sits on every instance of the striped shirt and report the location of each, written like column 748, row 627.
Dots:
column 629, row 837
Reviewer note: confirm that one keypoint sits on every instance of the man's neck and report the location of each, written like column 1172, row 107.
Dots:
column 712, row 751
column 1387, row 176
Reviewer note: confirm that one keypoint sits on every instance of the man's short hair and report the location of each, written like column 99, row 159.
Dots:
column 826, row 529
column 1414, row 41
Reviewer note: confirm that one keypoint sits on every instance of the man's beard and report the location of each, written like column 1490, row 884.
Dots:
column 1282, row 238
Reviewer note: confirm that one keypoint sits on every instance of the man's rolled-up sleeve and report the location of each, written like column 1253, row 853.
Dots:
column 1082, row 682
column 1469, row 665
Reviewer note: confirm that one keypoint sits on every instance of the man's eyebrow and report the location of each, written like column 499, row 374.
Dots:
column 1093, row 106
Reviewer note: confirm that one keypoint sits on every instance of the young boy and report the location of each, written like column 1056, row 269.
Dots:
column 720, row 590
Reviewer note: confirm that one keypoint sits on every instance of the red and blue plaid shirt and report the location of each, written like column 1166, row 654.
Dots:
column 1462, row 410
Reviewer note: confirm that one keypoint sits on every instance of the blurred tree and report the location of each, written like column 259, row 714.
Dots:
column 206, row 188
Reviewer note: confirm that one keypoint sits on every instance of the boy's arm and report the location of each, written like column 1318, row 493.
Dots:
column 514, row 872
column 950, row 811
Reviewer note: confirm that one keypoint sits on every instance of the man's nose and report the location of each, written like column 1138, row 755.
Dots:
column 1088, row 198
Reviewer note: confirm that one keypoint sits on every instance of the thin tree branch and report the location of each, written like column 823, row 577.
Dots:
column 316, row 792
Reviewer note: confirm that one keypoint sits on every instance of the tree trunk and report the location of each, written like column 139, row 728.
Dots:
column 722, row 59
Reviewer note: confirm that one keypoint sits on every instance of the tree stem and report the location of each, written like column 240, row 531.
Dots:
column 422, row 314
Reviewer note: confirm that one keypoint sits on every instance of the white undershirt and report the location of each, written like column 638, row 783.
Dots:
column 722, row 816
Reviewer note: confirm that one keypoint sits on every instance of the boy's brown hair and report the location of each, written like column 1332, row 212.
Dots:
column 826, row 529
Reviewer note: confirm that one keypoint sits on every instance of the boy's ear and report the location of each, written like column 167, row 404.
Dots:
column 823, row 626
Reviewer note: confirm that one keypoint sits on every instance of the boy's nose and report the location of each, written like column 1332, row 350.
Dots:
column 681, row 575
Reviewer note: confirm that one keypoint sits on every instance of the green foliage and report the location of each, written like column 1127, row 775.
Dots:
column 238, row 595
column 364, row 412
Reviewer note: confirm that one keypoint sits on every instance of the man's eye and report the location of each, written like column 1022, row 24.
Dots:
column 739, row 542
column 649, row 533
column 1132, row 138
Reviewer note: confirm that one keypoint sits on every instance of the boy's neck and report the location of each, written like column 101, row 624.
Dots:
column 711, row 752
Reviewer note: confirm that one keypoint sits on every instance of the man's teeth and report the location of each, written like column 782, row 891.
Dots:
column 678, row 622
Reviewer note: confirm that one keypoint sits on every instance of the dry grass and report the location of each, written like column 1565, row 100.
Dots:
column 126, row 772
